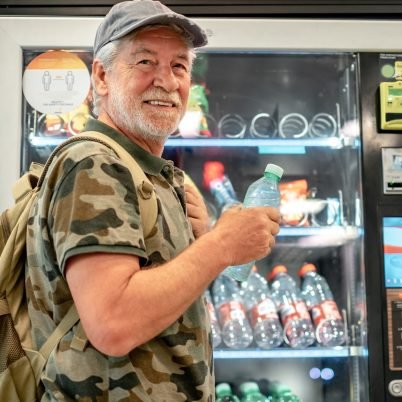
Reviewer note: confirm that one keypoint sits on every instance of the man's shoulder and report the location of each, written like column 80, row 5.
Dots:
column 80, row 148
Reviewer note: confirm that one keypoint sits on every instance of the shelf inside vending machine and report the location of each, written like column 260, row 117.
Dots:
column 280, row 353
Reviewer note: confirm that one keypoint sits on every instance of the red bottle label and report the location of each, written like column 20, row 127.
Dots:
column 291, row 311
column 264, row 310
column 324, row 311
column 212, row 314
column 232, row 310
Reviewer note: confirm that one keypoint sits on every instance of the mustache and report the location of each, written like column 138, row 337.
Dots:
column 161, row 95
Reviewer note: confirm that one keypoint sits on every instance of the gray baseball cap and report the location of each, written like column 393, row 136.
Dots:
column 127, row 16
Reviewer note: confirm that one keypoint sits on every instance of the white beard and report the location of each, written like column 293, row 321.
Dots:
column 127, row 113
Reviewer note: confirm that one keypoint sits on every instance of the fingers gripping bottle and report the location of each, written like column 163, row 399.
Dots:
column 297, row 326
column 224, row 393
column 329, row 326
column 235, row 328
column 261, row 311
column 250, row 392
column 263, row 192
column 215, row 329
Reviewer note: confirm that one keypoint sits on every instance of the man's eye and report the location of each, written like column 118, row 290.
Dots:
column 181, row 67
column 145, row 61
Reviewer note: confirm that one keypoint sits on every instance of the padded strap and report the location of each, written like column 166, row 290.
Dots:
column 69, row 320
column 145, row 189
column 80, row 339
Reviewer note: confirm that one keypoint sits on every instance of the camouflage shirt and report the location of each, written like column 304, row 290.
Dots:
column 88, row 204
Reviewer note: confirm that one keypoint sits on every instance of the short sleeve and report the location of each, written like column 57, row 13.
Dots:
column 94, row 207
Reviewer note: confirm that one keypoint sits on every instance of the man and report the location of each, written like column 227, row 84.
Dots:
column 139, row 300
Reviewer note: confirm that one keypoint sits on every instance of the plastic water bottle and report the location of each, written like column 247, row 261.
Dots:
column 329, row 326
column 215, row 329
column 263, row 192
column 250, row 392
column 223, row 192
column 262, row 311
column 224, row 393
column 219, row 185
column 235, row 328
column 297, row 326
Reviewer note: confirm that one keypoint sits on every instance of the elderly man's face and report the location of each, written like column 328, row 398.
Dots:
column 149, row 84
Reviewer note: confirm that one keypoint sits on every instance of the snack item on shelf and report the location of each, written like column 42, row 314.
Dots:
column 292, row 193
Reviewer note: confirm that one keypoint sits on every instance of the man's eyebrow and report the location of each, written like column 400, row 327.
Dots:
column 184, row 56
column 144, row 50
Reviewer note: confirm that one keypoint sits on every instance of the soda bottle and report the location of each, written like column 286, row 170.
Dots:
column 224, row 393
column 263, row 192
column 235, row 328
column 262, row 311
column 329, row 326
column 250, row 392
column 280, row 392
column 215, row 329
column 219, row 185
column 296, row 321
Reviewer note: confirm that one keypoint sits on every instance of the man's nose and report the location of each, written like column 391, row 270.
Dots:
column 166, row 79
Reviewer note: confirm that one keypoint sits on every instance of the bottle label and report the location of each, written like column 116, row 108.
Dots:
column 324, row 311
column 232, row 310
column 296, row 310
column 212, row 313
column 266, row 309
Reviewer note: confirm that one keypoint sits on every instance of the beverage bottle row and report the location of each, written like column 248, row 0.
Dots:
column 250, row 392
column 273, row 315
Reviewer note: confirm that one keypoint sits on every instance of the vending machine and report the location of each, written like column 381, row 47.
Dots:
column 320, row 98
column 382, row 145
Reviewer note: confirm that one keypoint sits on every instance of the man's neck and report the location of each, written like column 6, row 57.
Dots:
column 150, row 146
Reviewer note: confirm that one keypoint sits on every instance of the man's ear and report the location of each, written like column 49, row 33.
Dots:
column 99, row 78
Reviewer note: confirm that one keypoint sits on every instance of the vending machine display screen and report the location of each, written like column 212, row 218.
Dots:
column 392, row 242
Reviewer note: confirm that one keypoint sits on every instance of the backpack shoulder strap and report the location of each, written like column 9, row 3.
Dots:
column 145, row 189
column 27, row 182
column 64, row 326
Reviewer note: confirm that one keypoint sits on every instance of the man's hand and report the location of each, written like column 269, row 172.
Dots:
column 196, row 211
column 246, row 234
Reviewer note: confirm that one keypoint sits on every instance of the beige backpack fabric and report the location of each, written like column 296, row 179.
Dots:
column 21, row 365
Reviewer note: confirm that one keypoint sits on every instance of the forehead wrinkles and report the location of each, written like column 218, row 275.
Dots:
column 139, row 49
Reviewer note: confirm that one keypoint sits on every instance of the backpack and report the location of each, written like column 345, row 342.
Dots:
column 21, row 365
